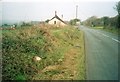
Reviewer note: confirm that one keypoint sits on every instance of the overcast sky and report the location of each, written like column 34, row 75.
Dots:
column 41, row 10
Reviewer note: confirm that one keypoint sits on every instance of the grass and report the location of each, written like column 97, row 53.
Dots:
column 112, row 30
column 61, row 50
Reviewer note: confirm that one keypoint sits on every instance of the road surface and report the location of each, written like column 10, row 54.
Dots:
column 101, row 54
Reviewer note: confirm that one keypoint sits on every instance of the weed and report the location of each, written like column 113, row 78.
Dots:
column 50, row 43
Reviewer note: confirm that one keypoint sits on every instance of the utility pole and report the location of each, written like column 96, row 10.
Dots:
column 76, row 11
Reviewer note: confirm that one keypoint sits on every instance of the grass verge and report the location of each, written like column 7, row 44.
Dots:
column 112, row 30
column 61, row 51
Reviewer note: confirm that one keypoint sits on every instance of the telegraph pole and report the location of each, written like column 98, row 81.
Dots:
column 76, row 11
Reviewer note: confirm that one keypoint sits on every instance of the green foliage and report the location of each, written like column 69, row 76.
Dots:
column 18, row 49
column 47, row 21
column 19, row 46
column 118, row 21
column 26, row 24
column 5, row 25
column 118, row 10
column 101, row 22
column 20, row 77
column 118, row 7
column 66, row 38
column 105, row 21
column 74, row 21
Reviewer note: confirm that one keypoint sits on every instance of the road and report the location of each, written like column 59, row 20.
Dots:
column 101, row 54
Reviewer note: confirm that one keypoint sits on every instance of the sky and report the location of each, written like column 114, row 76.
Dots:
column 12, row 11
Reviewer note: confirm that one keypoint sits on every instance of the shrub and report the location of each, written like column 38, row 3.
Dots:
column 18, row 49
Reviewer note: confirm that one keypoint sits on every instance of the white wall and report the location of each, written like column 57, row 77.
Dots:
column 58, row 22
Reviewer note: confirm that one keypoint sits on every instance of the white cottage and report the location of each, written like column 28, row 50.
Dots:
column 57, row 21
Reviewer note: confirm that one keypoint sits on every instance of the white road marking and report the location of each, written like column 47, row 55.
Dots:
column 109, row 37
column 105, row 35
column 116, row 40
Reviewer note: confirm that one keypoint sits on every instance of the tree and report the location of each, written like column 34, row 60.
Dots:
column 74, row 21
column 118, row 7
column 47, row 20
column 90, row 21
column 105, row 21
column 5, row 24
column 118, row 10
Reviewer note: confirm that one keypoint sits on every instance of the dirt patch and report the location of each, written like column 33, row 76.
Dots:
column 70, row 63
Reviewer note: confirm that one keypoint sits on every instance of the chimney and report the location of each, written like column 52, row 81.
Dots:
column 62, row 16
column 55, row 13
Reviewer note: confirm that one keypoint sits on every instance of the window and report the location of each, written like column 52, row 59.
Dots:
column 54, row 22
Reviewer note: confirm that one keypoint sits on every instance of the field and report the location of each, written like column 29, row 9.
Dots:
column 61, row 50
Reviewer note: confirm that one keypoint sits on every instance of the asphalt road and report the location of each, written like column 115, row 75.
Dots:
column 101, row 54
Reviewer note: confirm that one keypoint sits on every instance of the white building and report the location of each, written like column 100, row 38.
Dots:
column 57, row 21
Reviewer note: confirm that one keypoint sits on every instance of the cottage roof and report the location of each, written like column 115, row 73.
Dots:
column 57, row 18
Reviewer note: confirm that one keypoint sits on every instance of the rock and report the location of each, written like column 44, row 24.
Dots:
column 37, row 58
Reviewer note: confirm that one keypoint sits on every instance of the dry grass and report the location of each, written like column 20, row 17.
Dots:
column 71, row 64
column 61, row 50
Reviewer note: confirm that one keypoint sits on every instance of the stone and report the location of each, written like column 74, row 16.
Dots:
column 37, row 58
